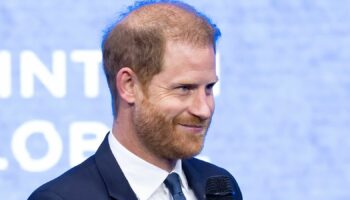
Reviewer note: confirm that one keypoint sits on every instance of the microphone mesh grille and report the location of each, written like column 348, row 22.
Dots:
column 219, row 185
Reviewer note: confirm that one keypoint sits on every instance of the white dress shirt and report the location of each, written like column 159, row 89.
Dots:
column 145, row 179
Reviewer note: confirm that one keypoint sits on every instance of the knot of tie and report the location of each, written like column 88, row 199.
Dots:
column 172, row 182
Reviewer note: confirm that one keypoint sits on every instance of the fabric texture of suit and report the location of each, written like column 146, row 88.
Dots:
column 100, row 177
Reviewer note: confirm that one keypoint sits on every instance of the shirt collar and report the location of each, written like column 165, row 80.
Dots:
column 178, row 169
column 143, row 177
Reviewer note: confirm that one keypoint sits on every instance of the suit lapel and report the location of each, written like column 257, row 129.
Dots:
column 115, row 181
column 194, row 179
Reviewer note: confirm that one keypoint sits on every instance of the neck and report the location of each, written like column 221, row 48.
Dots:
column 125, row 133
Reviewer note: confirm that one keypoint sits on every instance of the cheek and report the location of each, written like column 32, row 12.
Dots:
column 211, row 104
column 172, row 108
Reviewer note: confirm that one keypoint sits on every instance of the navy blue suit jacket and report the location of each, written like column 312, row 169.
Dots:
column 100, row 177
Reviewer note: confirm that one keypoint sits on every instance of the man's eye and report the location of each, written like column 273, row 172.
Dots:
column 184, row 89
column 209, row 88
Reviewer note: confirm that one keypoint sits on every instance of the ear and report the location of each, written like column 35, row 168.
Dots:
column 126, row 83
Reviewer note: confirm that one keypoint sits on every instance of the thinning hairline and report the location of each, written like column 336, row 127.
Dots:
column 150, row 13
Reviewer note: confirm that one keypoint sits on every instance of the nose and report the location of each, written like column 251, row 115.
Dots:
column 202, row 105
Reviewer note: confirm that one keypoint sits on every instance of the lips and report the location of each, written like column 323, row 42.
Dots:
column 193, row 125
column 192, row 128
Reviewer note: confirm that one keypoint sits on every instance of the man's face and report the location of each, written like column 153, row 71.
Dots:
column 172, row 119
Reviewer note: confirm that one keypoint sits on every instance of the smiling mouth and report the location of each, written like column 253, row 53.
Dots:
column 195, row 128
column 192, row 125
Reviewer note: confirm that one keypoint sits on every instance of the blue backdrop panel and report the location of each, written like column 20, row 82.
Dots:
column 282, row 119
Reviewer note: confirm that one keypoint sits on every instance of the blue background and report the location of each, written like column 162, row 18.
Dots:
column 282, row 119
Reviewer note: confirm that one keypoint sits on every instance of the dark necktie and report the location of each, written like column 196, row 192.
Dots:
column 172, row 182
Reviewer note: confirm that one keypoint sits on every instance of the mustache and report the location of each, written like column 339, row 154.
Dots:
column 192, row 121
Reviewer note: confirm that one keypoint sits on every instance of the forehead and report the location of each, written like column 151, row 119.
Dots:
column 186, row 61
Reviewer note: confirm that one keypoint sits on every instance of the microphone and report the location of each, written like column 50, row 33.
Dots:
column 219, row 188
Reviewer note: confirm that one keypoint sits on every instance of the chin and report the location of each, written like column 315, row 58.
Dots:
column 189, row 150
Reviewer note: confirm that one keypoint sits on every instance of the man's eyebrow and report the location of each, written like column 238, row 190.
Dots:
column 187, row 84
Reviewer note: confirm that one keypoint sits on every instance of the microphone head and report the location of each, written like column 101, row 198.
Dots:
column 219, row 188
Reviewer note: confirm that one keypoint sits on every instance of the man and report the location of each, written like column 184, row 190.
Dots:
column 159, row 61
